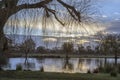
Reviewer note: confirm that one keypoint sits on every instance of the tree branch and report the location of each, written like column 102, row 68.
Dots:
column 27, row 6
column 72, row 11
column 54, row 13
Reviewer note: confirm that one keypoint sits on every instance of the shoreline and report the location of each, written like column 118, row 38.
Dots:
column 54, row 55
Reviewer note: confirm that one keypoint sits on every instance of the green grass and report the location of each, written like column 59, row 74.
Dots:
column 36, row 75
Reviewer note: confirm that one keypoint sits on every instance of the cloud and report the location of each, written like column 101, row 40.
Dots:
column 117, row 13
column 114, row 27
column 104, row 16
column 117, row 19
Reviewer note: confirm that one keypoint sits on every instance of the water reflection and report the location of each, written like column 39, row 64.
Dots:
column 66, row 65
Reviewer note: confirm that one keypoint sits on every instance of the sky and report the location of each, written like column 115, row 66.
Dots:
column 108, row 16
column 110, row 10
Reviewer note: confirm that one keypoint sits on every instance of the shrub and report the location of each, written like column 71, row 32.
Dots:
column 19, row 67
column 89, row 72
column 113, row 73
column 106, row 69
column 41, row 69
column 119, row 68
column 101, row 69
column 3, row 61
column 96, row 71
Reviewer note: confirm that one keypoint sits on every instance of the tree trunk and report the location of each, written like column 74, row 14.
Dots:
column 116, row 59
column 3, row 39
column 26, row 60
column 105, row 61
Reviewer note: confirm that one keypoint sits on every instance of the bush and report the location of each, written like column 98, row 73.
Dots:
column 41, row 69
column 3, row 61
column 96, row 71
column 101, row 69
column 119, row 68
column 89, row 72
column 113, row 73
column 19, row 67
column 106, row 69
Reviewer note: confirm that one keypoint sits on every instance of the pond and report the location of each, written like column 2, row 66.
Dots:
column 71, row 65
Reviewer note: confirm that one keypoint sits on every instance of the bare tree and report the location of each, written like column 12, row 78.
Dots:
column 78, row 11
column 67, row 48
column 26, row 47
column 110, row 45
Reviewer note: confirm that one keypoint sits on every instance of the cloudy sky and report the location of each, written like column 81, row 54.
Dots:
column 110, row 10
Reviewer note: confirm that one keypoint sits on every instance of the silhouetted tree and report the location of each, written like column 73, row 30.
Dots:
column 97, row 49
column 68, row 47
column 81, row 49
column 110, row 44
column 41, row 49
column 89, row 49
column 26, row 47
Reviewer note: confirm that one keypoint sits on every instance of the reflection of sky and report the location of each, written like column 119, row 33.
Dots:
column 81, row 65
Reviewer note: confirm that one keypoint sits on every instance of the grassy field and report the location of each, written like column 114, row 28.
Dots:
column 36, row 75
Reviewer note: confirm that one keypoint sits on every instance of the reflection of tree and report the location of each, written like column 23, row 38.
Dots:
column 67, row 65
column 26, row 47
column 88, row 61
column 40, row 60
column 97, row 62
column 81, row 64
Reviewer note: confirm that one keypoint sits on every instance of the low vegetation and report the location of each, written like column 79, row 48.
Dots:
column 31, row 75
column 3, row 61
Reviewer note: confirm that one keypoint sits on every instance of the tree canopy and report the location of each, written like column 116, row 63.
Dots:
column 63, row 11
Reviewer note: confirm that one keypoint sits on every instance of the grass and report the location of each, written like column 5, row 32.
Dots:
column 36, row 75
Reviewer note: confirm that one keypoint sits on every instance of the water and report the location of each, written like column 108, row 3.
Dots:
column 71, row 65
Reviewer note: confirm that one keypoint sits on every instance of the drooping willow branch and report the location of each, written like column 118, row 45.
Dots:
column 72, row 11
column 54, row 13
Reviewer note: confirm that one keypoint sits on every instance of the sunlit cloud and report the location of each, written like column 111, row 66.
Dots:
column 50, row 40
column 83, row 41
column 104, row 16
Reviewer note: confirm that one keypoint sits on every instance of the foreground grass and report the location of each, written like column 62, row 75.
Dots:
column 36, row 75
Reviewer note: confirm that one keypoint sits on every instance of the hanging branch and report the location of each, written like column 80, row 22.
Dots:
column 72, row 11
